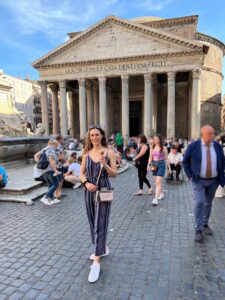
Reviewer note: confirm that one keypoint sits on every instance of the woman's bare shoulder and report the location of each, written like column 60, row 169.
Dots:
column 110, row 152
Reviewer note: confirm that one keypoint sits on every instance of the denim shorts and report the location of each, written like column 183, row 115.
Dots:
column 161, row 168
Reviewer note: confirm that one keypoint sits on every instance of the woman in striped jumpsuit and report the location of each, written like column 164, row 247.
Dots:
column 97, row 155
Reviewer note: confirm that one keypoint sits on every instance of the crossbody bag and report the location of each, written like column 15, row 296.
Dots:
column 103, row 195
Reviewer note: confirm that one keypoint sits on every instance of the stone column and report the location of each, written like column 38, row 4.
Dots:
column 71, row 116
column 90, row 103
column 63, row 108
column 102, row 104
column 125, row 105
column 110, row 109
column 55, row 109
column 155, row 100
column 96, row 105
column 171, row 104
column 195, row 104
column 148, row 105
column 82, row 108
column 44, row 107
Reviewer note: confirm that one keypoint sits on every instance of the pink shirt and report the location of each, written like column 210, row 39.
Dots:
column 158, row 155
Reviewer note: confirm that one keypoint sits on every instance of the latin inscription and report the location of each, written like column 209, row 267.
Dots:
column 145, row 66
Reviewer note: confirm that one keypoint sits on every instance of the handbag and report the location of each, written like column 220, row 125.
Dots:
column 154, row 168
column 103, row 195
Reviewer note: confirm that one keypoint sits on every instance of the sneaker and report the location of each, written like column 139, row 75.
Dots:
column 45, row 201
column 207, row 230
column 94, row 273
column 154, row 202
column 92, row 257
column 77, row 185
column 55, row 201
column 140, row 193
column 150, row 191
column 161, row 196
column 199, row 236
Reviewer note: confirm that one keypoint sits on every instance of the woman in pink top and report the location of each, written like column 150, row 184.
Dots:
column 157, row 163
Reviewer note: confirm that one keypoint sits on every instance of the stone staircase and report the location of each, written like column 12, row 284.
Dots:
column 21, row 187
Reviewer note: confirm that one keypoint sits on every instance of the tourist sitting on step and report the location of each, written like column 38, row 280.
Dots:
column 73, row 173
column 175, row 159
column 3, row 177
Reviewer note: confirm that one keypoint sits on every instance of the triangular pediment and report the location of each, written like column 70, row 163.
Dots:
column 116, row 38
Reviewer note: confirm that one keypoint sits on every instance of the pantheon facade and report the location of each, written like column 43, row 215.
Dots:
column 143, row 75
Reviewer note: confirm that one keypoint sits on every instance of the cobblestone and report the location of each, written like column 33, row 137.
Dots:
column 45, row 250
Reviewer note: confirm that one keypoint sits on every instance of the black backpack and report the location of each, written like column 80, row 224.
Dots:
column 43, row 161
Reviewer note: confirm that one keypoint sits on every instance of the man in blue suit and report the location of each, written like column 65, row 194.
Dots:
column 204, row 164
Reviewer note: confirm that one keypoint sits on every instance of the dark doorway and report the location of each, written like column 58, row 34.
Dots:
column 135, row 117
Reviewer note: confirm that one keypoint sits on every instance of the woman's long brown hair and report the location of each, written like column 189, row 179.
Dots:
column 88, row 143
column 160, row 142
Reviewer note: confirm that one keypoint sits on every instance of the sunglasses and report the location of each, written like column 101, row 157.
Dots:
column 95, row 127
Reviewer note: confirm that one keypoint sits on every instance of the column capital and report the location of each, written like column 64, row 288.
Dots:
column 89, row 84
column 54, row 88
column 148, row 77
column 102, row 80
column 124, row 79
column 42, row 83
column 81, row 82
column 171, row 76
column 62, row 84
column 196, row 73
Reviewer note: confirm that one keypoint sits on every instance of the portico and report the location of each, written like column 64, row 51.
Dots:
column 127, row 77
column 97, row 107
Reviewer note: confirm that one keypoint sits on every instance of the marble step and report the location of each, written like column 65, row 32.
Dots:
column 27, row 198
column 20, row 180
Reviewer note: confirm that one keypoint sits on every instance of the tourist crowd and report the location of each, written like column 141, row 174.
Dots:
column 93, row 162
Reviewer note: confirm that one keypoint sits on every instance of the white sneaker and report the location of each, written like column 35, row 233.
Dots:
column 154, row 202
column 161, row 196
column 94, row 273
column 55, row 201
column 45, row 201
column 77, row 185
column 92, row 257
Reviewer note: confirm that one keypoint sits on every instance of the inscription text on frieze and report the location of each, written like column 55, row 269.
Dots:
column 142, row 66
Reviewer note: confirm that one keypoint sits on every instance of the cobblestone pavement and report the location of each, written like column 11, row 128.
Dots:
column 44, row 250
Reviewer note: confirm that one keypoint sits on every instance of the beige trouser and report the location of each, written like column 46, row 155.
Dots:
column 72, row 178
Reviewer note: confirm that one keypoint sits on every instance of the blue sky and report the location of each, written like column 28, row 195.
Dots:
column 31, row 28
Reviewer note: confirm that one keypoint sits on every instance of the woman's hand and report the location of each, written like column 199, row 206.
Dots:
column 91, row 187
column 103, row 161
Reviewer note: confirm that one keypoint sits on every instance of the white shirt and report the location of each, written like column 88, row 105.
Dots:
column 175, row 158
column 37, row 172
column 75, row 169
column 204, row 160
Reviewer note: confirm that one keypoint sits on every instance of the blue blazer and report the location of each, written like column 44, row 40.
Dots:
column 193, row 158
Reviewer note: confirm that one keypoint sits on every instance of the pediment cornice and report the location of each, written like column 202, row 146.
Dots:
column 123, row 59
column 173, row 22
column 209, row 39
column 191, row 45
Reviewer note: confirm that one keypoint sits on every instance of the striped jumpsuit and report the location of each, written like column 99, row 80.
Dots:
column 98, row 213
